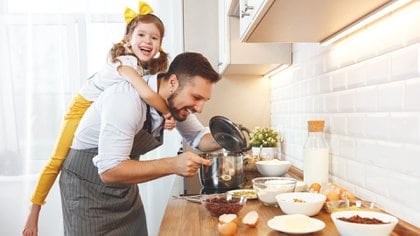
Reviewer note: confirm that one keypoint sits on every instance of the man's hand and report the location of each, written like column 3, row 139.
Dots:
column 169, row 122
column 188, row 163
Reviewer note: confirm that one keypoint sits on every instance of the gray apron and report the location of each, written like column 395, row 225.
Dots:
column 93, row 208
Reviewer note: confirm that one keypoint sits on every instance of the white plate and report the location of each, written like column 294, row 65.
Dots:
column 278, row 223
column 240, row 191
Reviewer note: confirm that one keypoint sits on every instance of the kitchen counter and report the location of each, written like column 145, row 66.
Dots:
column 183, row 217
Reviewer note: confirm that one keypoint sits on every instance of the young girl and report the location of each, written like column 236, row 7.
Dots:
column 140, row 48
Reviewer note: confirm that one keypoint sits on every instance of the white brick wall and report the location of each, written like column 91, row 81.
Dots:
column 367, row 89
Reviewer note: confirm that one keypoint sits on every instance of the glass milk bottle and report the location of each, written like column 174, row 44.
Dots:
column 315, row 154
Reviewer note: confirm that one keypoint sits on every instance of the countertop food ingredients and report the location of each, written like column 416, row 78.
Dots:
column 331, row 195
column 227, row 229
column 226, row 218
column 348, row 195
column 315, row 187
column 250, row 219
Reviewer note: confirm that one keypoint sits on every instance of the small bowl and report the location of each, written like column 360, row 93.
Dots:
column 219, row 204
column 305, row 203
column 346, row 205
column 273, row 168
column 268, row 188
column 348, row 228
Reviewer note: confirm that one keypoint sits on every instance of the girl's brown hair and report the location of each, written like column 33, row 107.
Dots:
column 155, row 65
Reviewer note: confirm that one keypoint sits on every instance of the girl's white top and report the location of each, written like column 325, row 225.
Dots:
column 106, row 77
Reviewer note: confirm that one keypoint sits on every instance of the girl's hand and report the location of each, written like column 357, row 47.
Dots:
column 170, row 122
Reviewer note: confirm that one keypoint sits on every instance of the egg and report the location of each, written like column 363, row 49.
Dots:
column 250, row 219
column 315, row 187
column 331, row 195
column 227, row 229
column 226, row 218
column 348, row 195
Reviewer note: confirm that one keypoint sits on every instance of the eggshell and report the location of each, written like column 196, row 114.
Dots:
column 226, row 218
column 250, row 219
column 227, row 229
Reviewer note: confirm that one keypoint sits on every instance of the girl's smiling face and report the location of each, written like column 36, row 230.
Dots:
column 145, row 41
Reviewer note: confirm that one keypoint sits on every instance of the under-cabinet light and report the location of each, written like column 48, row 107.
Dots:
column 369, row 18
column 276, row 70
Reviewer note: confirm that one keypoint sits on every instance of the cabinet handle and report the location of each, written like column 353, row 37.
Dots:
column 220, row 64
column 245, row 12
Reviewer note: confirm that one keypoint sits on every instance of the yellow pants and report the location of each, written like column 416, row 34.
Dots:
column 77, row 108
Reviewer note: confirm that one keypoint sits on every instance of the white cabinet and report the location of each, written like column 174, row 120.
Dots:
column 299, row 20
column 236, row 57
column 248, row 11
column 200, row 28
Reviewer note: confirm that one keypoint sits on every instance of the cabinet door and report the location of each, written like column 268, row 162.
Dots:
column 248, row 10
column 224, row 39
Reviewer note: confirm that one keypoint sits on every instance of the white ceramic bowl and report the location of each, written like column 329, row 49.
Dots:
column 273, row 168
column 348, row 228
column 268, row 188
column 305, row 203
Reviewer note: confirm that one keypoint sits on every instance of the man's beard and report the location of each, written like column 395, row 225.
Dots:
column 174, row 112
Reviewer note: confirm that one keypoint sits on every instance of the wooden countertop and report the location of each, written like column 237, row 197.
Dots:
column 183, row 217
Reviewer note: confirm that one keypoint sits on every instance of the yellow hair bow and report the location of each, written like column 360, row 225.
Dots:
column 144, row 9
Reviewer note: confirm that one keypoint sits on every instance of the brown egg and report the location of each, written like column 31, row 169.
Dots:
column 250, row 219
column 227, row 229
column 348, row 195
column 331, row 195
column 315, row 187
column 226, row 218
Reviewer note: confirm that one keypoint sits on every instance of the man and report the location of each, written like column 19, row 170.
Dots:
column 99, row 178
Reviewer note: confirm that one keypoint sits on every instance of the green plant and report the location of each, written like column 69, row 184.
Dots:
column 265, row 137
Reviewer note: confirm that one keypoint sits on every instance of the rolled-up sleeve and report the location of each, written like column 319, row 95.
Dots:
column 119, row 124
column 192, row 130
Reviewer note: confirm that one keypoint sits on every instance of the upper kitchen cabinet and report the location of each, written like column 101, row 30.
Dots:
column 236, row 57
column 200, row 27
column 298, row 20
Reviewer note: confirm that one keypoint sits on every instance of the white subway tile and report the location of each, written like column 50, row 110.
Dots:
column 356, row 125
column 367, row 88
column 346, row 102
column 409, row 160
column 385, row 40
column 332, row 60
column 324, row 84
column 319, row 103
column 377, row 70
column 403, row 188
column 409, row 215
column 390, row 97
column 332, row 141
column 338, row 166
column 356, row 76
column 404, row 128
column 356, row 173
column 331, row 103
column 376, row 126
column 366, row 99
column 408, row 21
column 347, row 147
column 318, row 65
column 338, row 125
column 405, row 63
column 412, row 95
column 377, row 180
column 338, row 81
column 365, row 149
